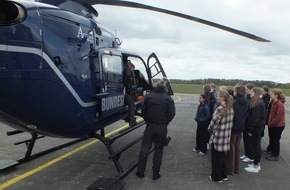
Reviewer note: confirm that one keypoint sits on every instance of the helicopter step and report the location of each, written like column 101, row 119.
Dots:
column 5, row 164
column 116, row 183
column 10, row 133
column 107, row 184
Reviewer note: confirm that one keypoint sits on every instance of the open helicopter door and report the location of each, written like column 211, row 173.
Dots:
column 156, row 72
column 108, row 68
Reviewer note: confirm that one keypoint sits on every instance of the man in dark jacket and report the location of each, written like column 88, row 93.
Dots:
column 129, row 83
column 158, row 110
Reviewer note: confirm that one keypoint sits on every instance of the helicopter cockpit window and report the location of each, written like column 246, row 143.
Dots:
column 112, row 68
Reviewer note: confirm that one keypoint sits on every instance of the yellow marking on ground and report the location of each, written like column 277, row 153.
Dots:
column 54, row 161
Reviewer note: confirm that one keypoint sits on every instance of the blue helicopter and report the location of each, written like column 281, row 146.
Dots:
column 61, row 72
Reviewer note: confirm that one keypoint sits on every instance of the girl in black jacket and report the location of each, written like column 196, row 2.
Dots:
column 256, row 122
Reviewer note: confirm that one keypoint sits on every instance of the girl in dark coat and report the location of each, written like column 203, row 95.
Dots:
column 241, row 107
column 256, row 122
column 202, row 118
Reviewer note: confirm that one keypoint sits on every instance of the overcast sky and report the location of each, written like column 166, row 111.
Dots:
column 189, row 50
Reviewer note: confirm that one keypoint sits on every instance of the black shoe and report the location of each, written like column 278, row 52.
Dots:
column 127, row 119
column 133, row 122
column 215, row 180
column 140, row 174
column 156, row 175
column 266, row 152
column 272, row 158
column 167, row 140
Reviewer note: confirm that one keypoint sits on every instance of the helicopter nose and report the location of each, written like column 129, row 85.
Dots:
column 11, row 13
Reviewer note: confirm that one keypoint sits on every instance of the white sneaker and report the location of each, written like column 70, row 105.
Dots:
column 194, row 150
column 253, row 169
column 246, row 160
column 243, row 157
column 201, row 153
column 252, row 165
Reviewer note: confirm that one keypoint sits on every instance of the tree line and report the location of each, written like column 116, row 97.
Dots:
column 231, row 82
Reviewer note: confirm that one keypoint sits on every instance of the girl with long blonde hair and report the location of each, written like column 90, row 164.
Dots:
column 220, row 129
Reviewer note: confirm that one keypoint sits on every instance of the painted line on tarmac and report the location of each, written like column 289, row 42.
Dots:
column 178, row 99
column 52, row 162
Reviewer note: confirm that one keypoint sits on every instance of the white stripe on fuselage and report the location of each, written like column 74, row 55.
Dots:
column 53, row 67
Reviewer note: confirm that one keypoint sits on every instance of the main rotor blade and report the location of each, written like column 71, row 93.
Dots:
column 151, row 8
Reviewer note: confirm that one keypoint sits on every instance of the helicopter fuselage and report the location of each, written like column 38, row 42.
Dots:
column 60, row 73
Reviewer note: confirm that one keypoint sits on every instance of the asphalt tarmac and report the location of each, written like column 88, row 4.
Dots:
column 78, row 166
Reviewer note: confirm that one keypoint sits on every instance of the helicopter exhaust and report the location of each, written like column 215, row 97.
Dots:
column 11, row 13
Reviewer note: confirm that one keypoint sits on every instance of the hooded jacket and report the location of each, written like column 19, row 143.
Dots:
column 241, row 107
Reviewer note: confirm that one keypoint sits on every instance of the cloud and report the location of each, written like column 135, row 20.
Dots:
column 189, row 50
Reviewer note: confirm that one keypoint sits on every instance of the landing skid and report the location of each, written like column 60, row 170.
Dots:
column 115, row 183
column 5, row 164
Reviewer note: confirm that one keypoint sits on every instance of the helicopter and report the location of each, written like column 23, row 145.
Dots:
column 61, row 70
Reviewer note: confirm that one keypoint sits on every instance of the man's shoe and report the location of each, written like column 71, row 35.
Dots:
column 126, row 119
column 140, row 174
column 167, row 140
column 272, row 158
column 132, row 123
column 156, row 175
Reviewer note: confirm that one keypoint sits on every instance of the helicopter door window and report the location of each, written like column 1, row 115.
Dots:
column 97, row 74
column 112, row 69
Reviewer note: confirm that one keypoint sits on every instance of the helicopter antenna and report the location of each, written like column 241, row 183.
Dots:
column 117, row 39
